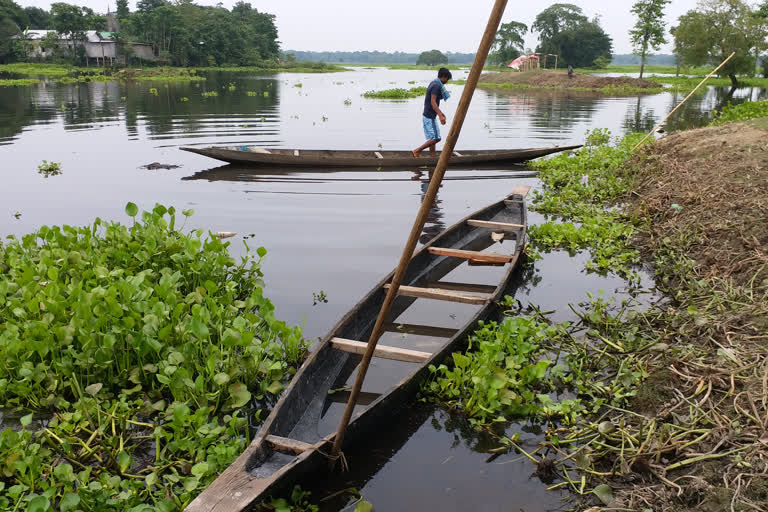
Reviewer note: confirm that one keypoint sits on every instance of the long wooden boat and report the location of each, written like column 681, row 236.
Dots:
column 296, row 439
column 254, row 155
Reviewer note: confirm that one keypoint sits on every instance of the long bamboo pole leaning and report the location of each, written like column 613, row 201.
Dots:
column 421, row 217
column 686, row 99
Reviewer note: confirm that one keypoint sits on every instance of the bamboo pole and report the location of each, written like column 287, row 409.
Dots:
column 421, row 217
column 686, row 99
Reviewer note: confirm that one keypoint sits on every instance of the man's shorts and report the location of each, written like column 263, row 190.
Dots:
column 431, row 128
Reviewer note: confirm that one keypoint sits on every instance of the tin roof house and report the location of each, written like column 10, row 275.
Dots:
column 101, row 48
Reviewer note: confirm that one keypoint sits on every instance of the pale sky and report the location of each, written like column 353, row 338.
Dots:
column 412, row 25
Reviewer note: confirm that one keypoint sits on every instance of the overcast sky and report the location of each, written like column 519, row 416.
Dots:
column 412, row 25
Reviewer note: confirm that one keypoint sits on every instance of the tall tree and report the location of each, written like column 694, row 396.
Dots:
column 8, row 29
column 708, row 34
column 69, row 22
column 564, row 30
column 509, row 42
column 553, row 20
column 122, row 9
column 39, row 19
column 432, row 58
column 648, row 31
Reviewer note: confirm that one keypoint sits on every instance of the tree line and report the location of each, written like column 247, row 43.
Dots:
column 703, row 36
column 180, row 32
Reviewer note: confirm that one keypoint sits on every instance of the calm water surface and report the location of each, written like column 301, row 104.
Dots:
column 337, row 232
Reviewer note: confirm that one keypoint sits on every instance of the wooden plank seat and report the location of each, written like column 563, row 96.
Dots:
column 489, row 257
column 506, row 226
column 462, row 287
column 437, row 294
column 363, row 398
column 382, row 351
column 421, row 330
column 283, row 444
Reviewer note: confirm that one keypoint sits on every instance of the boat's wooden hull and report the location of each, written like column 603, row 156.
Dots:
column 296, row 414
column 338, row 159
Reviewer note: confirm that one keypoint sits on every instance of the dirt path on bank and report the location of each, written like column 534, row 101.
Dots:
column 560, row 79
column 703, row 411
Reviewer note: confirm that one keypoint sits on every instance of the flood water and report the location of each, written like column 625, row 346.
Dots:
column 338, row 233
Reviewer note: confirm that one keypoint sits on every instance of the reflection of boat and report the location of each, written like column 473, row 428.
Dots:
column 234, row 172
column 294, row 441
column 254, row 155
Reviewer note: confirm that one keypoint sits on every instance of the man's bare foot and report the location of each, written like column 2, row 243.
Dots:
column 415, row 153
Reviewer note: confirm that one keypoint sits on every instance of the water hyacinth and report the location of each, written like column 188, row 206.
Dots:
column 158, row 335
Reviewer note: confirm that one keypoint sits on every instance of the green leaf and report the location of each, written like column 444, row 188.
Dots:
column 150, row 479
column 94, row 389
column 364, row 506
column 39, row 504
column 261, row 251
column 26, row 420
column 69, row 501
column 188, row 212
column 131, row 209
column 239, row 395
column 124, row 460
column 200, row 469
column 199, row 329
column 605, row 493
column 221, row 378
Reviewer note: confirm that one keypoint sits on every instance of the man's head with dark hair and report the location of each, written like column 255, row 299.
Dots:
column 444, row 75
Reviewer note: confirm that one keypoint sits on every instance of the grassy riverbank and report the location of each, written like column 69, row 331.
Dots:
column 136, row 360
column 63, row 73
column 644, row 407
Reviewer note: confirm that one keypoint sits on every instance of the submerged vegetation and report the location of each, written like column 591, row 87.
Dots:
column 136, row 357
column 18, row 82
column 396, row 94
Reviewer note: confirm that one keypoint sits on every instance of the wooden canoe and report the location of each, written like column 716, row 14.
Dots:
column 296, row 438
column 254, row 155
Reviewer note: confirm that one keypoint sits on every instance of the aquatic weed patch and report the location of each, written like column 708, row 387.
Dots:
column 18, row 82
column 396, row 94
column 526, row 368
column 584, row 187
column 141, row 350
column 741, row 112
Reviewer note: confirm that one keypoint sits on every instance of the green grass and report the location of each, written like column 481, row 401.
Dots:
column 667, row 70
column 396, row 94
column 611, row 90
column 136, row 356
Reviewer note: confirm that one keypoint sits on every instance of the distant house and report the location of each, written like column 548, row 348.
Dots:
column 101, row 48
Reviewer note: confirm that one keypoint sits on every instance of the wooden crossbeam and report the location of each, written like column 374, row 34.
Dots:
column 421, row 330
column 477, row 263
column 283, row 444
column 382, row 351
column 462, row 287
column 378, row 155
column 364, row 398
column 520, row 190
column 489, row 257
column 437, row 294
column 495, row 225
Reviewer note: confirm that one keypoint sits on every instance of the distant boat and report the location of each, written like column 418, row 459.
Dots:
column 295, row 440
column 254, row 155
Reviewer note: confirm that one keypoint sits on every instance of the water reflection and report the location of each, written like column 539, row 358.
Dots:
column 434, row 224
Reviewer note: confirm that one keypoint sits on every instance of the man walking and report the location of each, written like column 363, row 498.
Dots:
column 435, row 92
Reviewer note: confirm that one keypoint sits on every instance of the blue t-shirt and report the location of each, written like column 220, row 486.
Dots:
column 436, row 89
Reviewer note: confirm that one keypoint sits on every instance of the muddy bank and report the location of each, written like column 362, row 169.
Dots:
column 702, row 415
column 559, row 79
